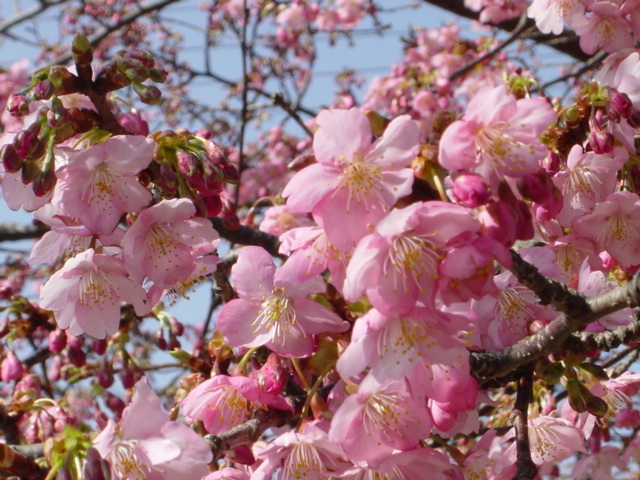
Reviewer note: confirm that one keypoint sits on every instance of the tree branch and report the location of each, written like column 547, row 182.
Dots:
column 19, row 465
column 11, row 232
column 526, row 469
column 247, row 432
column 578, row 310
column 248, row 236
column 568, row 43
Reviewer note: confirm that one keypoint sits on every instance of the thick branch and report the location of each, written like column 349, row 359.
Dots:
column 526, row 469
column 568, row 43
column 248, row 236
column 247, row 432
column 579, row 312
column 19, row 465
column 11, row 232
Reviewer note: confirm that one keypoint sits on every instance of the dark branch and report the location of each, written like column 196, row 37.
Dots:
column 11, row 232
column 248, row 236
column 568, row 43
column 526, row 469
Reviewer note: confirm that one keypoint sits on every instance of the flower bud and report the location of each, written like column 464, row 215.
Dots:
column 127, row 377
column 44, row 182
column 552, row 163
column 272, row 377
column 158, row 74
column 77, row 357
column 95, row 467
column 213, row 205
column 26, row 141
column 11, row 368
column 11, row 161
column 188, row 162
column 601, row 141
column 57, row 340
column 160, row 340
column 148, row 94
column 134, row 124
column 30, row 170
column 18, row 105
column 620, row 104
column 471, row 190
column 58, row 116
column 105, row 376
column 81, row 50
column 141, row 57
column 43, row 90
column 99, row 346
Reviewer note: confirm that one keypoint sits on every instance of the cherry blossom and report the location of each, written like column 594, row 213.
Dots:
column 99, row 184
column 85, row 294
column 146, row 444
column 166, row 245
column 352, row 175
column 273, row 308
column 497, row 136
column 223, row 402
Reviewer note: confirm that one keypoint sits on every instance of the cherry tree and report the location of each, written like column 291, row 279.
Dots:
column 434, row 278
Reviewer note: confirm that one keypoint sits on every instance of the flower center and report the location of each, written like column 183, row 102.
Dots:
column 101, row 184
column 303, row 462
column 497, row 145
column 619, row 231
column 411, row 257
column 401, row 336
column 362, row 182
column 383, row 415
column 231, row 406
column 276, row 316
column 96, row 288
column 160, row 240
column 126, row 463
column 580, row 184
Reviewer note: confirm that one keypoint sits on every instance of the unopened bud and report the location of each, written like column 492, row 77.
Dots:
column 81, row 50
column 43, row 90
column 18, row 105
column 158, row 74
column 148, row 94
column 11, row 161
column 601, row 141
column 620, row 104
column 30, row 169
column 44, row 182
column 272, row 376
column 471, row 190
column 96, row 467
column 58, row 116
column 142, row 57
column 57, row 341
column 188, row 162
column 11, row 368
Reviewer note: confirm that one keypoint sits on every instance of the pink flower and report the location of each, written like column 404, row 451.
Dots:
column 398, row 264
column 587, row 180
column 549, row 15
column 223, row 402
column 85, row 294
column 378, row 419
column 227, row 474
column 614, row 225
column 355, row 182
column 167, row 245
column 498, row 136
column 307, row 454
column 279, row 219
column 393, row 346
column 10, row 368
column 146, row 444
column 273, row 309
column 405, row 465
column 605, row 28
column 99, row 184
column 551, row 439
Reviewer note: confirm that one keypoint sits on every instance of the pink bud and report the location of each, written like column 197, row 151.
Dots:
column 601, row 141
column 57, row 341
column 552, row 164
column 242, row 455
column 11, row 368
column 11, row 161
column 620, row 104
column 628, row 418
column 471, row 190
column 99, row 345
column 95, row 467
column 18, row 105
column 134, row 124
column 272, row 377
